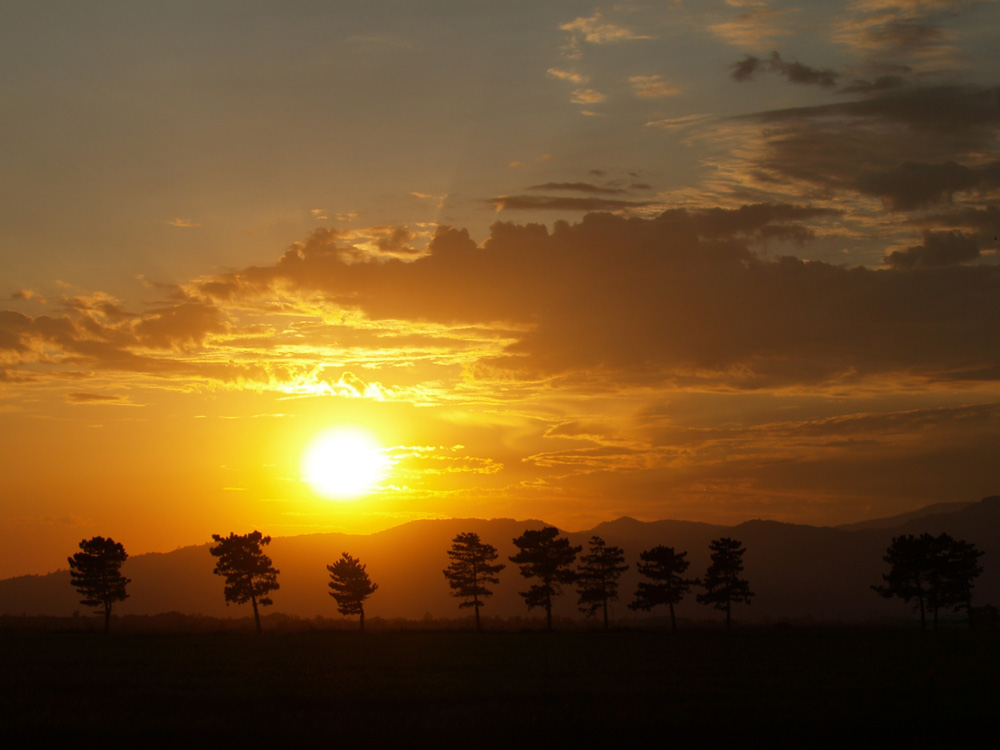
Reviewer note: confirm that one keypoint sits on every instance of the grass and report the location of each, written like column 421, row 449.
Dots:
column 495, row 688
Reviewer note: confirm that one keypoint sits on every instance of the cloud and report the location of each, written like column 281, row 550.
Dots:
column 915, row 185
column 183, row 223
column 679, row 299
column 558, row 203
column 672, row 124
column 94, row 398
column 911, row 148
column 27, row 294
column 587, row 96
column 937, row 249
column 913, row 32
column 596, row 30
column 755, row 29
column 580, row 187
column 651, row 87
column 563, row 75
column 748, row 68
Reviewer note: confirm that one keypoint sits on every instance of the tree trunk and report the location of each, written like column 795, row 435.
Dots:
column 673, row 620
column 256, row 614
column 729, row 607
column 605, row 614
column 475, row 604
column 548, row 613
column 362, row 620
column 923, row 617
column 107, row 616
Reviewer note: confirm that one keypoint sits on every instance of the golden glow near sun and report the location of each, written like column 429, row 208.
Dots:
column 344, row 463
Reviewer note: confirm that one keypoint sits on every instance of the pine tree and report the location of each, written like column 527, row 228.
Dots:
column 932, row 572
column 471, row 569
column 95, row 573
column 665, row 568
column 722, row 581
column 546, row 556
column 597, row 577
column 961, row 566
column 350, row 586
column 249, row 574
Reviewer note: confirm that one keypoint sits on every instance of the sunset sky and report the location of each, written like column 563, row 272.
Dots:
column 689, row 259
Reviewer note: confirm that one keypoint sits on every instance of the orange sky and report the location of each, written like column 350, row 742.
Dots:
column 707, row 261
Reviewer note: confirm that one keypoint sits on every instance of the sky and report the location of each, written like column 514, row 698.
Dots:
column 713, row 260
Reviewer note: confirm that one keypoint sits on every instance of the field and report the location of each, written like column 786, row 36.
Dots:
column 495, row 688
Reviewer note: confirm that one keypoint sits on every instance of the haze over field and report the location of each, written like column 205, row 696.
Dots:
column 706, row 261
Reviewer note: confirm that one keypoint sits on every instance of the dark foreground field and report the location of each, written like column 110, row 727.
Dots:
column 496, row 688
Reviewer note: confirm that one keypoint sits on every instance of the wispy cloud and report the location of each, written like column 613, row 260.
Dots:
column 587, row 96
column 756, row 29
column 596, row 30
column 651, row 87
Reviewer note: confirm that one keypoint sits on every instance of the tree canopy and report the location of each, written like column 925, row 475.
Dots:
column 95, row 572
column 722, row 581
column 350, row 586
column 547, row 557
column 597, row 577
column 471, row 568
column 932, row 572
column 250, row 577
column 665, row 570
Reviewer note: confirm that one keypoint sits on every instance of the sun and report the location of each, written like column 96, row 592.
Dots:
column 344, row 463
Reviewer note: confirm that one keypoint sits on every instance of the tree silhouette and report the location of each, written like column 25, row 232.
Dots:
column 471, row 569
column 597, row 577
column 350, row 586
column 249, row 574
column 932, row 572
column 960, row 561
column 665, row 568
column 722, row 581
column 546, row 556
column 95, row 573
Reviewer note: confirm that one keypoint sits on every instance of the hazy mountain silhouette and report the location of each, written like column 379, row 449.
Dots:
column 796, row 571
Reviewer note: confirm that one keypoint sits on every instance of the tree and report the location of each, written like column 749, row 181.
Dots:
column 932, row 572
column 665, row 568
column 960, row 560
column 722, row 581
column 471, row 569
column 597, row 577
column 546, row 556
column 95, row 573
column 350, row 586
column 250, row 577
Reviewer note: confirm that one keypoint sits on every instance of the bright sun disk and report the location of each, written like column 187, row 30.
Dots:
column 344, row 464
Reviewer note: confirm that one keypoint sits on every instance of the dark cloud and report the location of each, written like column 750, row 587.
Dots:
column 911, row 147
column 748, row 68
column 937, row 249
column 678, row 299
column 556, row 203
column 179, row 325
column 944, row 109
column 92, row 398
column 916, row 185
column 986, row 219
column 581, row 187
column 880, row 84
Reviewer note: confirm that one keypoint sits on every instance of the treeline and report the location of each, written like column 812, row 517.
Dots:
column 932, row 573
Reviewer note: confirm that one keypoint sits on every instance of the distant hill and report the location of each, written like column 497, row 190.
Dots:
column 796, row 571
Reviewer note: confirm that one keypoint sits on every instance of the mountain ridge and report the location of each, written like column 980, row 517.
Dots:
column 796, row 570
